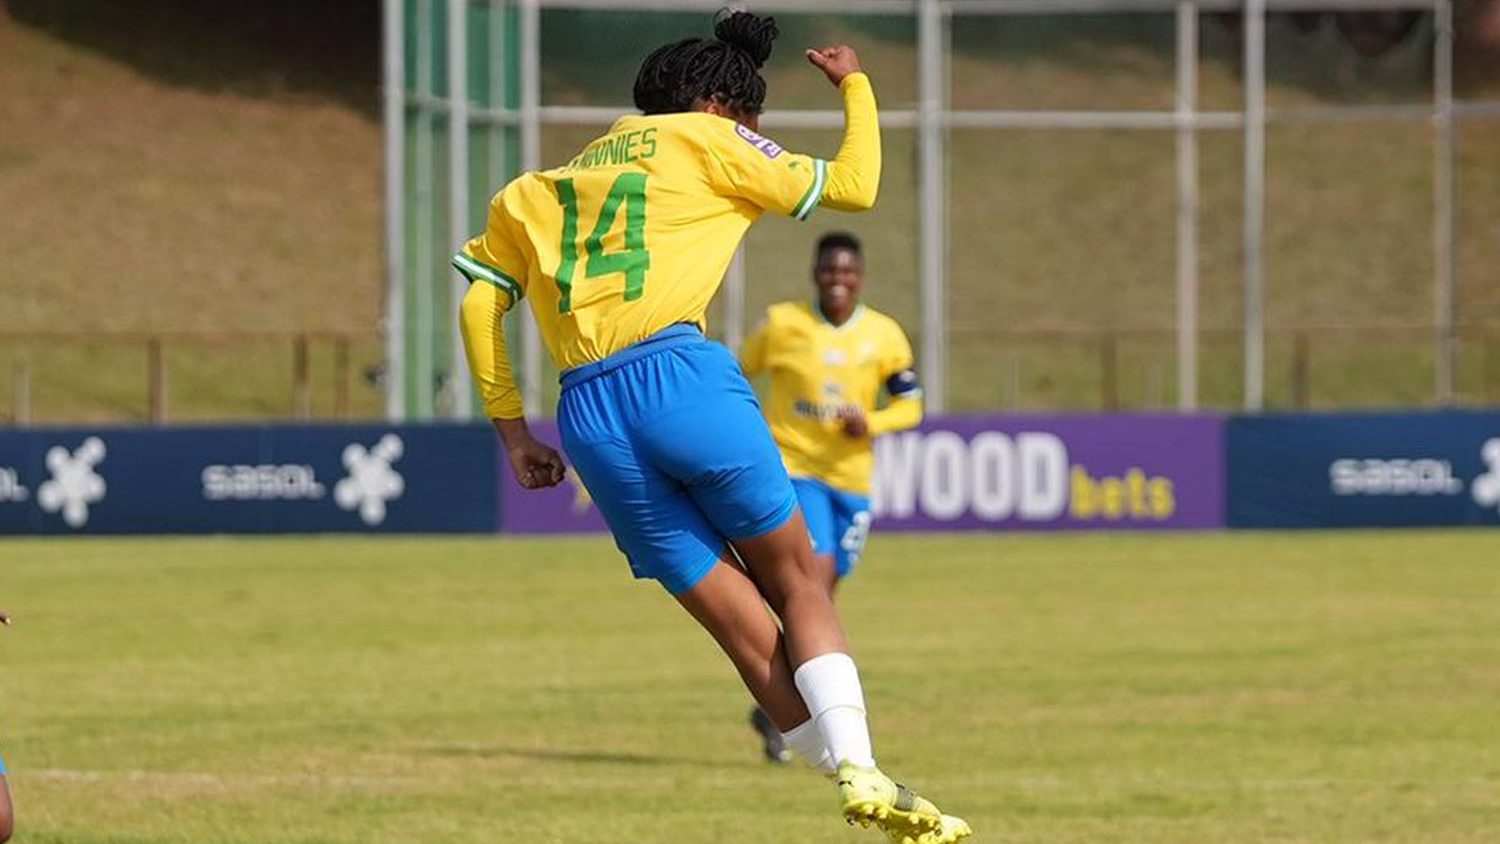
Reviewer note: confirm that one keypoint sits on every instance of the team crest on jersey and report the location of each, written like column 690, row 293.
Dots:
column 768, row 147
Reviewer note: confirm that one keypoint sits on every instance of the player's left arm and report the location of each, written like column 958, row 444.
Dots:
column 742, row 163
column 853, row 176
column 898, row 369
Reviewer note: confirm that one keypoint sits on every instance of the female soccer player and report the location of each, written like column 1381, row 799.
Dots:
column 621, row 250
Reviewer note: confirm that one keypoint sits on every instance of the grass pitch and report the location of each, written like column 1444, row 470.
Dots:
column 1310, row 687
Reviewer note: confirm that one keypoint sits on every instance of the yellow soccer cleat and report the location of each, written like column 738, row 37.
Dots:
column 952, row 829
column 872, row 797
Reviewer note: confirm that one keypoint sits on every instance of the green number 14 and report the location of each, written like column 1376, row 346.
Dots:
column 634, row 260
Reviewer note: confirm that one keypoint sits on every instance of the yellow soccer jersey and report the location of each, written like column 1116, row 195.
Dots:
column 635, row 233
column 817, row 369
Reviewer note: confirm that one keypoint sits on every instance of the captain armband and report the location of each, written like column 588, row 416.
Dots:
column 904, row 384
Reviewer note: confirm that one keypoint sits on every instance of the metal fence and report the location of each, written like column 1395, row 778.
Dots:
column 465, row 109
column 162, row 376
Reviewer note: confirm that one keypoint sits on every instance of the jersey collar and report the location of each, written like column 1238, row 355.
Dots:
column 859, row 311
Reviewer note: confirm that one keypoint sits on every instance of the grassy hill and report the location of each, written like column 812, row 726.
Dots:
column 171, row 166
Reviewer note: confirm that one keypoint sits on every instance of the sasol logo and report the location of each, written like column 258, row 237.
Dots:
column 1393, row 477
column 372, row 480
column 74, row 484
column 999, row 477
column 11, row 488
column 290, row 482
column 1487, row 486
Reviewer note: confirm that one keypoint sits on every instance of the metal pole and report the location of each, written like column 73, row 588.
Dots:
column 497, row 134
column 395, row 212
column 1187, row 206
column 1443, row 187
column 156, row 378
column 462, row 395
column 341, row 377
column 932, row 201
column 734, row 300
column 1255, row 186
column 421, row 361
column 301, row 379
column 21, row 391
column 531, row 159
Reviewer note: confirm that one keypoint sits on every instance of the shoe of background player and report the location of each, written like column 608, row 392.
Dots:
column 775, row 749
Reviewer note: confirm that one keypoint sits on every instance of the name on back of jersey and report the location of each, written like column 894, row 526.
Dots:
column 613, row 150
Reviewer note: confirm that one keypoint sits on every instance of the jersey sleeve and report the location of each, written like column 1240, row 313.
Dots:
column 745, row 164
column 495, row 265
column 753, row 350
column 899, row 375
column 496, row 256
column 896, row 358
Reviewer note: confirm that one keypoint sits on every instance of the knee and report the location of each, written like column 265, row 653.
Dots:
column 806, row 589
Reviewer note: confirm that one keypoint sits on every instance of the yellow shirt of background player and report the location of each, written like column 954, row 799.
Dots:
column 816, row 370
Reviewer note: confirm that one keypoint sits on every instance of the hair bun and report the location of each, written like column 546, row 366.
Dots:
column 751, row 34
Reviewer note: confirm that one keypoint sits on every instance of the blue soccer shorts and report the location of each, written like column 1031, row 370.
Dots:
column 668, row 438
column 838, row 521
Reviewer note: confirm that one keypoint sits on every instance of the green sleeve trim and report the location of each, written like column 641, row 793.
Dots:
column 479, row 271
column 814, row 193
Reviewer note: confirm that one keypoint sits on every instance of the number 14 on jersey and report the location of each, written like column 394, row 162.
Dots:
column 634, row 260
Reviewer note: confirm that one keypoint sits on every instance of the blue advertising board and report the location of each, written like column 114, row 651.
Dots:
column 1364, row 470
column 250, row 479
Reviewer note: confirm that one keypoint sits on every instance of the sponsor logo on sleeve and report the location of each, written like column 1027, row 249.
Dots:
column 767, row 147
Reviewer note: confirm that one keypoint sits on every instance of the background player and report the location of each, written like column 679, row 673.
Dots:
column 829, row 360
column 621, row 251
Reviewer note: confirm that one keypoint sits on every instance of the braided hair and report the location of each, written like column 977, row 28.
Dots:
column 725, row 69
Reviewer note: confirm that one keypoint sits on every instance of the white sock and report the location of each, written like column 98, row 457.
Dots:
column 830, row 686
column 805, row 740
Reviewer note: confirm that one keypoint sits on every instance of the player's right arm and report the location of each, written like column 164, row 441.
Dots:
column 496, row 266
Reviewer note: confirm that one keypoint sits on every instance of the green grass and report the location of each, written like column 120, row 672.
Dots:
column 1259, row 687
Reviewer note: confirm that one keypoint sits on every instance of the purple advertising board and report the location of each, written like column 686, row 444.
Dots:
column 565, row 508
column 1119, row 471
column 1109, row 472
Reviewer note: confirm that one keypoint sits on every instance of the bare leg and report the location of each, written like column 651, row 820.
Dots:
column 732, row 610
column 795, row 583
column 831, row 571
column 7, row 813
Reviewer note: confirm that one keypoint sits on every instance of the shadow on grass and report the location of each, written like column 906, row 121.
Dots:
column 591, row 757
